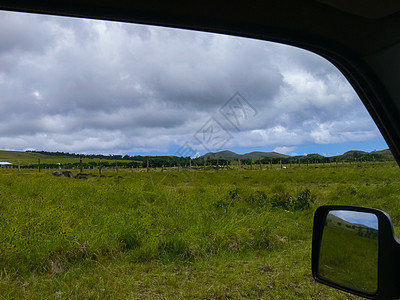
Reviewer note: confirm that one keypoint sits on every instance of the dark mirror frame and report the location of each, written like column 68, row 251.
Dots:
column 388, row 254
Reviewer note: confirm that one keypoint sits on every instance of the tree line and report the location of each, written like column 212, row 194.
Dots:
column 139, row 161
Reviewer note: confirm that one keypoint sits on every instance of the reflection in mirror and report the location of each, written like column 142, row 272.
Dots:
column 349, row 250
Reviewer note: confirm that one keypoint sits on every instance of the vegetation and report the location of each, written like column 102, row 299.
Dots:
column 30, row 159
column 214, row 234
column 274, row 157
column 349, row 259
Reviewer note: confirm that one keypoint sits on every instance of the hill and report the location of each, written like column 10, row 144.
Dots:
column 385, row 154
column 358, row 229
column 23, row 157
column 354, row 153
column 229, row 155
column 28, row 158
column 31, row 157
column 347, row 156
column 374, row 155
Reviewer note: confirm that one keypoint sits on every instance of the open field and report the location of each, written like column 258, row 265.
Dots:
column 31, row 158
column 238, row 234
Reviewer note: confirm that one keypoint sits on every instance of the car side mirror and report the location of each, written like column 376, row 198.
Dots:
column 354, row 249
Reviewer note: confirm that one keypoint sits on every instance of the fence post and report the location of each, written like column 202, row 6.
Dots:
column 80, row 165
column 100, row 166
column 148, row 168
column 39, row 164
column 19, row 166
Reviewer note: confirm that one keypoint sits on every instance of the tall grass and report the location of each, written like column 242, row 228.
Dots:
column 54, row 230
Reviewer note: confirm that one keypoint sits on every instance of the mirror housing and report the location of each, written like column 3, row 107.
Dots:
column 388, row 255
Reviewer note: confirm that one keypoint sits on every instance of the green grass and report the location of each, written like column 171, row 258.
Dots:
column 223, row 234
column 349, row 259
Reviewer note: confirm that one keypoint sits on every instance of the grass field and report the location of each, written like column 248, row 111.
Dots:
column 349, row 259
column 227, row 234
column 31, row 158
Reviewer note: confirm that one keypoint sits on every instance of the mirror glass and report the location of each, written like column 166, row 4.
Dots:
column 349, row 250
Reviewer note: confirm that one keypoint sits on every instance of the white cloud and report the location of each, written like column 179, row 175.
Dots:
column 91, row 86
column 284, row 150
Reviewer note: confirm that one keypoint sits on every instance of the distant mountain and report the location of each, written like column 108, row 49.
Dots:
column 386, row 154
column 354, row 153
column 375, row 155
column 229, row 155
column 31, row 157
column 314, row 155
column 222, row 154
column 359, row 229
column 258, row 155
column 349, row 155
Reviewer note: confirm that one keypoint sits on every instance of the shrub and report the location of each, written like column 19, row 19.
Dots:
column 303, row 201
column 286, row 201
column 281, row 201
column 258, row 198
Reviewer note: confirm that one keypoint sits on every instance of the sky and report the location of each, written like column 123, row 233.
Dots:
column 95, row 87
column 357, row 217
